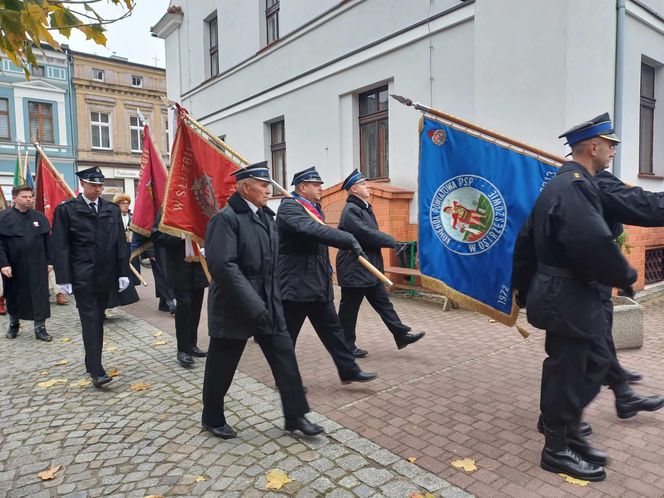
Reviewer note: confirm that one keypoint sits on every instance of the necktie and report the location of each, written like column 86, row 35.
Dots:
column 93, row 206
column 261, row 216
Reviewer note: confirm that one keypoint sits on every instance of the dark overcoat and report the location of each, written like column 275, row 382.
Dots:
column 24, row 245
column 241, row 252
column 89, row 250
column 180, row 274
column 570, row 248
column 358, row 219
column 305, row 273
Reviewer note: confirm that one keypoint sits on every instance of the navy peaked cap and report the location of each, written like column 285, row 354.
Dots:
column 91, row 175
column 307, row 175
column 259, row 171
column 355, row 177
column 600, row 126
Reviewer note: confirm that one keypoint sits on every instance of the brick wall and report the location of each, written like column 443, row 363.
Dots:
column 640, row 239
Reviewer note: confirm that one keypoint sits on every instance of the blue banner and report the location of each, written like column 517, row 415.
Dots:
column 474, row 196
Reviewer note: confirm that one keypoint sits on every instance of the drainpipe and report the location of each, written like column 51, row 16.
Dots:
column 619, row 80
column 73, row 124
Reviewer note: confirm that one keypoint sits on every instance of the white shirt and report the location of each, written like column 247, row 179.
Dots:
column 253, row 207
column 88, row 201
column 125, row 220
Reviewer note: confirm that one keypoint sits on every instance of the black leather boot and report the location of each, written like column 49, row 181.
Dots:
column 303, row 425
column 42, row 335
column 13, row 331
column 628, row 403
column 581, row 446
column 557, row 457
column 585, row 429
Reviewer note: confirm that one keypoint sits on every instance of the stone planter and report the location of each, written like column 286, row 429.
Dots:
column 627, row 323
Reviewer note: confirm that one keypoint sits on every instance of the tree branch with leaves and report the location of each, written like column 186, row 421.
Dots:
column 26, row 24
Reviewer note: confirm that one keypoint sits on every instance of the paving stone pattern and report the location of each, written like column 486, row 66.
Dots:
column 124, row 443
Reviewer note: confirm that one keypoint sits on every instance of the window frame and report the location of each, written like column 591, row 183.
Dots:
column 101, row 72
column 51, row 72
column 278, row 147
column 271, row 12
column 139, row 79
column 100, row 124
column 39, row 135
column 8, row 138
column 380, row 115
column 212, row 27
column 647, row 119
column 132, row 129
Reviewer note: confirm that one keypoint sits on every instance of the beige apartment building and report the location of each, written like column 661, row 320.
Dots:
column 111, row 94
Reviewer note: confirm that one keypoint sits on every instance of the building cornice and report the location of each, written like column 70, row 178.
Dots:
column 168, row 23
column 93, row 87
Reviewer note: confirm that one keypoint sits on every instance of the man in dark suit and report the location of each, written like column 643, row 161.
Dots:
column 91, row 259
column 305, row 273
column 242, row 244
column 356, row 282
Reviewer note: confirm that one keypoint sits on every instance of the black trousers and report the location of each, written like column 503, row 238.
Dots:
column 324, row 318
column 616, row 374
column 91, row 308
column 222, row 360
column 351, row 299
column 187, row 317
column 572, row 375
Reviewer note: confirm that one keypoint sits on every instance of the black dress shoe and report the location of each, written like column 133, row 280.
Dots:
column 359, row 353
column 360, row 377
column 633, row 377
column 303, row 425
column 582, row 447
column 162, row 305
column 628, row 406
column 198, row 352
column 185, row 359
column 585, row 429
column 408, row 338
column 101, row 380
column 224, row 432
column 42, row 335
column 566, row 461
column 13, row 331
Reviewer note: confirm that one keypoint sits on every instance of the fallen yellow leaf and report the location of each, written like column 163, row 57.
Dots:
column 65, row 339
column 277, row 478
column 158, row 333
column 160, row 342
column 112, row 349
column 62, row 362
column 411, row 459
column 43, row 372
column 113, row 372
column 81, row 383
column 415, row 494
column 200, row 479
column 154, row 496
column 51, row 382
column 140, row 386
column 574, row 480
column 467, row 464
column 491, row 320
column 47, row 475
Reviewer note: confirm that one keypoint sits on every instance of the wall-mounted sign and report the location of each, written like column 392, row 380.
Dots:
column 126, row 173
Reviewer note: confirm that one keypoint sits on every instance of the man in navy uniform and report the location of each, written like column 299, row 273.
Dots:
column 91, row 259
column 305, row 272
column 242, row 245
column 574, row 251
column 356, row 282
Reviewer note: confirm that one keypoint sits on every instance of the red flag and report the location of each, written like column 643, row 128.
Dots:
column 199, row 184
column 151, row 186
column 51, row 187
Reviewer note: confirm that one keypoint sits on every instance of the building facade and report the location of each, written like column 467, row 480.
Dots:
column 111, row 95
column 304, row 83
column 40, row 107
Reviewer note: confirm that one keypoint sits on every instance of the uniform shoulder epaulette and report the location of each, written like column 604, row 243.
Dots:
column 578, row 177
column 68, row 201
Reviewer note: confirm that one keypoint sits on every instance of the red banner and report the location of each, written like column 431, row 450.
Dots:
column 151, row 186
column 51, row 188
column 199, row 184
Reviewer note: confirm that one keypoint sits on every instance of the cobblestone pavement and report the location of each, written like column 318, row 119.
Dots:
column 470, row 389
column 124, row 442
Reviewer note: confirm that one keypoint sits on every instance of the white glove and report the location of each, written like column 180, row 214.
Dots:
column 65, row 288
column 202, row 249
column 123, row 283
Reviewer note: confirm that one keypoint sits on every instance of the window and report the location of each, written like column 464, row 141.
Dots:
column 98, row 74
column 373, row 133
column 101, row 130
column 272, row 20
column 37, row 71
column 168, row 137
column 137, row 81
column 41, row 122
column 212, row 36
column 5, row 131
column 135, row 130
column 647, row 119
column 10, row 67
column 56, row 73
column 278, row 150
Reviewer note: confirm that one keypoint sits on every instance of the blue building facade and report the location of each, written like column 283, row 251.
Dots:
column 41, row 107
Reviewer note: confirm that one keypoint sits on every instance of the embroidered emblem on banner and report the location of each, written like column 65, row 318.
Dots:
column 468, row 214
column 205, row 195
column 438, row 137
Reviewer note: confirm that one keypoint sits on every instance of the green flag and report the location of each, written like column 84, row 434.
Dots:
column 18, row 180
